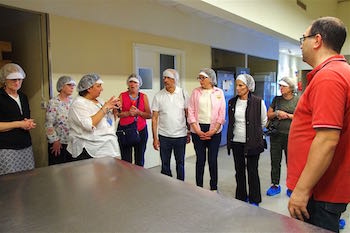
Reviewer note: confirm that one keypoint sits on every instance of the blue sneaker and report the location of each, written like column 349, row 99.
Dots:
column 273, row 190
column 342, row 223
column 289, row 192
column 255, row 204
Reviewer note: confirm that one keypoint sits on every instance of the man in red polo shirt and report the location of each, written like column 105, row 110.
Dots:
column 318, row 155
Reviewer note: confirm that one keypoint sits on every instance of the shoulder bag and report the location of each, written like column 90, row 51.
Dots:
column 128, row 135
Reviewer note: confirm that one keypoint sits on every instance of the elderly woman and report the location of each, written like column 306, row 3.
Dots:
column 16, row 153
column 247, row 117
column 206, row 115
column 92, row 121
column 57, row 129
column 135, row 107
column 281, row 112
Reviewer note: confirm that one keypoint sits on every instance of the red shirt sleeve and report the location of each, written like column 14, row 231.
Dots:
column 328, row 100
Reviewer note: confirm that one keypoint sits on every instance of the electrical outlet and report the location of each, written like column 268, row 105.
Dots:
column 43, row 104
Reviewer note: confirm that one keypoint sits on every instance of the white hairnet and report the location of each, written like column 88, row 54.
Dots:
column 136, row 78
column 171, row 73
column 9, row 69
column 88, row 81
column 290, row 83
column 211, row 75
column 63, row 80
column 248, row 80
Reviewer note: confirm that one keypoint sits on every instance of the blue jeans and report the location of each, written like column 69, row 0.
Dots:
column 201, row 146
column 167, row 145
column 325, row 214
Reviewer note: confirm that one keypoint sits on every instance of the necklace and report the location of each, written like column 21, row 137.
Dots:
column 132, row 98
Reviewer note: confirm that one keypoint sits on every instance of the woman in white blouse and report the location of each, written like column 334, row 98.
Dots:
column 92, row 121
column 57, row 129
column 247, row 117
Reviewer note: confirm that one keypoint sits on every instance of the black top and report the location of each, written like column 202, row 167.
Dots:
column 254, row 134
column 9, row 111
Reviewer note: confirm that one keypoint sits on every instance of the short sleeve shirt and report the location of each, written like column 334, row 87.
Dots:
column 288, row 106
column 324, row 104
column 171, row 112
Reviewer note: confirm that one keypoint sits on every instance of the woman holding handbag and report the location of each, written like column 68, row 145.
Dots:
column 281, row 113
column 135, row 110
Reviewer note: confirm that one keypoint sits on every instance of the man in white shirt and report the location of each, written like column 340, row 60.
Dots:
column 169, row 125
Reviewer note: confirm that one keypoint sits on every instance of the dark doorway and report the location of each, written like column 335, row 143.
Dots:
column 26, row 31
column 166, row 62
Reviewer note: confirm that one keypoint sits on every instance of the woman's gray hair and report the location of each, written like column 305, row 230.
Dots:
column 9, row 69
column 248, row 80
column 211, row 75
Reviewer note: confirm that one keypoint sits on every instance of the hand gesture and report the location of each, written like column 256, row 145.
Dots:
column 297, row 205
column 27, row 124
column 188, row 140
column 112, row 103
column 281, row 115
column 56, row 148
column 156, row 144
column 133, row 111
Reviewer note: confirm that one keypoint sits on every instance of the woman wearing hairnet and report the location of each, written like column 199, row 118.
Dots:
column 92, row 121
column 281, row 109
column 206, row 115
column 247, row 117
column 127, row 116
column 16, row 153
column 57, row 128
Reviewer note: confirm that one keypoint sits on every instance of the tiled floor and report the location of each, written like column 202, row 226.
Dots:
column 227, row 183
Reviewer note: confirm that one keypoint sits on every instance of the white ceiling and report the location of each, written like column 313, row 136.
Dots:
column 287, row 46
column 86, row 9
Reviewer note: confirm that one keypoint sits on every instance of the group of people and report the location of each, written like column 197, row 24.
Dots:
column 314, row 132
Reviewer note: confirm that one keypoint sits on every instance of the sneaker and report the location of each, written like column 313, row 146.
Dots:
column 273, row 190
column 342, row 223
column 255, row 204
column 289, row 192
column 215, row 191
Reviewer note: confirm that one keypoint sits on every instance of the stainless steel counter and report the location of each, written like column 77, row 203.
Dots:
column 109, row 195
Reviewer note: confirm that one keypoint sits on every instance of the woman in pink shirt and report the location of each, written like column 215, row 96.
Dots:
column 130, row 111
column 206, row 115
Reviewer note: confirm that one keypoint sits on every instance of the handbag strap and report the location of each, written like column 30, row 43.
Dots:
column 137, row 105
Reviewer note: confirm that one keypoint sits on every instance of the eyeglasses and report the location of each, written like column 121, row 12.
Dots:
column 201, row 78
column 302, row 39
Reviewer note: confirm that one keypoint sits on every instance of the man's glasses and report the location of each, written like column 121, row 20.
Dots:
column 302, row 39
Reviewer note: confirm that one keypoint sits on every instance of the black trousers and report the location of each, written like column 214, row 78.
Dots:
column 325, row 214
column 63, row 157
column 139, row 149
column 84, row 155
column 201, row 147
column 251, row 162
